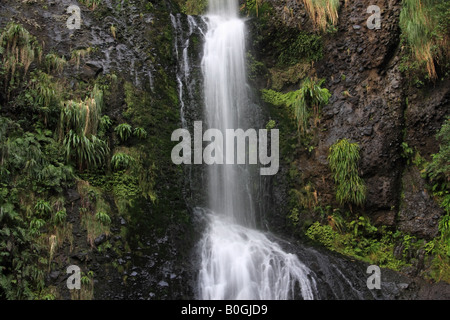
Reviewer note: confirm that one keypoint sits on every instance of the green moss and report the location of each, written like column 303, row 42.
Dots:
column 361, row 243
column 195, row 7
column 303, row 47
column 280, row 77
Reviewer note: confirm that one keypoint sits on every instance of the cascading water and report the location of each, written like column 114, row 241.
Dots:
column 237, row 261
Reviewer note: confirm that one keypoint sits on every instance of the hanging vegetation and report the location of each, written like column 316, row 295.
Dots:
column 343, row 160
column 323, row 12
column 79, row 123
column 19, row 49
column 424, row 25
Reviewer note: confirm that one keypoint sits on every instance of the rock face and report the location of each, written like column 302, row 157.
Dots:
column 374, row 111
column 373, row 105
column 419, row 214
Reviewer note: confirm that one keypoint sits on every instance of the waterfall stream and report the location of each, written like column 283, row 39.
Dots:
column 237, row 261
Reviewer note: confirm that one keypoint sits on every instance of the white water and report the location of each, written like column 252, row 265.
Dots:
column 237, row 261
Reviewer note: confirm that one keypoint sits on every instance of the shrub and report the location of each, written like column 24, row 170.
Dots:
column 19, row 49
column 323, row 12
column 343, row 160
column 424, row 25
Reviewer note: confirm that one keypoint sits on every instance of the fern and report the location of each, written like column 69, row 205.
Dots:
column 43, row 208
column 123, row 131
column 122, row 161
column 140, row 133
column 60, row 217
column 103, row 218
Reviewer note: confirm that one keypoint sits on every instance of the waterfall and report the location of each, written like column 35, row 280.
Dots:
column 237, row 260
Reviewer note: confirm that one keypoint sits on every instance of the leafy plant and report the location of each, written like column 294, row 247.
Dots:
column 79, row 54
column 103, row 218
column 270, row 124
column 439, row 168
column 43, row 208
column 60, row 217
column 89, row 151
column 19, row 50
column 407, row 151
column 122, row 161
column 55, row 63
column 424, row 25
column 323, row 12
column 124, row 131
column 310, row 96
column 140, row 133
column 343, row 160
column 92, row 4
column 195, row 7
column 78, row 127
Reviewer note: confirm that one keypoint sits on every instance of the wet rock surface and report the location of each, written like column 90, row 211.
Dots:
column 165, row 266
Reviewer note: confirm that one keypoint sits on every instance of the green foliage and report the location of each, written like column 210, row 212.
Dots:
column 140, row 133
column 310, row 96
column 104, row 125
column 407, row 151
column 362, row 223
column 19, row 272
column 87, row 151
column 79, row 54
column 78, row 127
column 439, row 250
column 277, row 98
column 31, row 170
column 439, row 168
column 124, row 131
column 343, row 160
column 424, row 25
column 294, row 217
column 54, row 63
column 43, row 208
column 60, row 217
column 194, row 7
column 271, row 124
column 122, row 161
column 103, row 218
column 92, row 4
column 304, row 48
column 361, row 241
column 256, row 8
column 323, row 12
column 19, row 49
column 323, row 234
